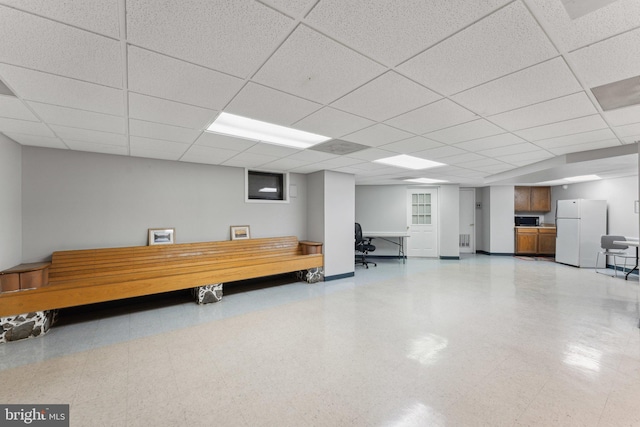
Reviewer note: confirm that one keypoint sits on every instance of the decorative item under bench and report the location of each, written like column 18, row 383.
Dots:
column 26, row 325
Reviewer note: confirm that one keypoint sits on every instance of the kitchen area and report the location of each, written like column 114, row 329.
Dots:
column 533, row 237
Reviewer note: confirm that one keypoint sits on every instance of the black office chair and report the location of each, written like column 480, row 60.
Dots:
column 363, row 247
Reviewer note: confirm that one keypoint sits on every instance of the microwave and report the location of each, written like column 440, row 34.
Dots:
column 527, row 221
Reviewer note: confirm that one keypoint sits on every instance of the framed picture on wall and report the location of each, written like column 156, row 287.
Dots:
column 162, row 236
column 240, row 232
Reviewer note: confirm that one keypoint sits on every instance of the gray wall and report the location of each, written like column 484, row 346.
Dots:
column 339, row 213
column 384, row 208
column 501, row 213
column 10, row 203
column 620, row 194
column 76, row 200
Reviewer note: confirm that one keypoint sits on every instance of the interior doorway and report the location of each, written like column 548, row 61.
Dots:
column 467, row 240
column 422, row 222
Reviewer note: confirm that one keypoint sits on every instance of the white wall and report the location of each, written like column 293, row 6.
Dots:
column 449, row 227
column 10, row 203
column 76, row 200
column 339, row 215
column 501, row 231
column 620, row 194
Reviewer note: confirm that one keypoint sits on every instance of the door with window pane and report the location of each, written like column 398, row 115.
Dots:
column 422, row 222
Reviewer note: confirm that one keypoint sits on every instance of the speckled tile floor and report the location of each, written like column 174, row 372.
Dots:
column 494, row 341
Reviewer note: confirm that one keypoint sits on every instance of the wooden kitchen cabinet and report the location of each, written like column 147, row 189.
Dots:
column 526, row 241
column 547, row 241
column 535, row 240
column 532, row 199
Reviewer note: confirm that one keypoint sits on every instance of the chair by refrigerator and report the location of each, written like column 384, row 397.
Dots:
column 614, row 250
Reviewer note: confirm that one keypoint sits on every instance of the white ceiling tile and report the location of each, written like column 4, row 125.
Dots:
column 558, row 151
column 411, row 145
column 312, row 156
column 464, row 158
column 531, row 157
column 485, row 162
column 332, row 122
column 284, row 164
column 215, row 140
column 466, row 131
column 163, row 111
column 83, row 119
column 556, row 110
column 164, row 77
column 628, row 130
column 387, row 96
column 440, row 153
column 504, row 42
column 139, row 145
column 207, row 155
column 608, row 61
column 315, row 67
column 338, row 162
column 631, row 139
column 391, row 34
column 440, row 114
column 568, row 127
column 36, row 141
column 519, row 149
column 269, row 105
column 570, row 34
column 623, row 116
column 372, row 154
column 250, row 160
column 13, row 108
column 495, row 169
column 551, row 79
column 493, row 141
column 377, row 135
column 56, row 48
column 100, row 16
column 92, row 136
column 160, row 131
column 25, row 127
column 154, row 154
column 271, row 150
column 97, row 148
column 297, row 8
column 234, row 37
column 580, row 138
column 50, row 89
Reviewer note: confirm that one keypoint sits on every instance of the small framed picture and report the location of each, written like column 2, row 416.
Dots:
column 162, row 236
column 240, row 232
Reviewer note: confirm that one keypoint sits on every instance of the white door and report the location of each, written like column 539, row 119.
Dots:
column 422, row 222
column 467, row 240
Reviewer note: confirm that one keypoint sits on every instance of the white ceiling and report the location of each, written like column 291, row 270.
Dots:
column 494, row 89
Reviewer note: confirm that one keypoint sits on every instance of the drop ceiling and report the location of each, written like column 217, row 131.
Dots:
column 499, row 91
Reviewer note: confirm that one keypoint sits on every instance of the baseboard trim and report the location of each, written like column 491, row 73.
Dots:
column 339, row 276
column 450, row 257
column 495, row 253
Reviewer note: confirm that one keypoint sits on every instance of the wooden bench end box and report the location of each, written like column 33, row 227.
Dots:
column 87, row 276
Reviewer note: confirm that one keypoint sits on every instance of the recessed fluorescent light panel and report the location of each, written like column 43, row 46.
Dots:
column 409, row 162
column 256, row 130
column 425, row 180
column 582, row 178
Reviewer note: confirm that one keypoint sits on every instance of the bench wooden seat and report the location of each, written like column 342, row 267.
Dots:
column 87, row 276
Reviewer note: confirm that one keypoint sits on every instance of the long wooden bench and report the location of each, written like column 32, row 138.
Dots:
column 80, row 277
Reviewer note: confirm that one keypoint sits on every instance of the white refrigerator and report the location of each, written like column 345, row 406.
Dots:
column 579, row 225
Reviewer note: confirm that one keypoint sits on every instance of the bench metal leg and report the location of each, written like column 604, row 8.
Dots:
column 27, row 325
column 208, row 293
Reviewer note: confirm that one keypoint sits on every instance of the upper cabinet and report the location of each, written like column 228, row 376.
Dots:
column 532, row 199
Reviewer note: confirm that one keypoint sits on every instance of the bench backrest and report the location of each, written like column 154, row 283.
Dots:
column 81, row 263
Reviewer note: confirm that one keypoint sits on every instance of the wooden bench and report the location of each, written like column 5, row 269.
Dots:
column 80, row 277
